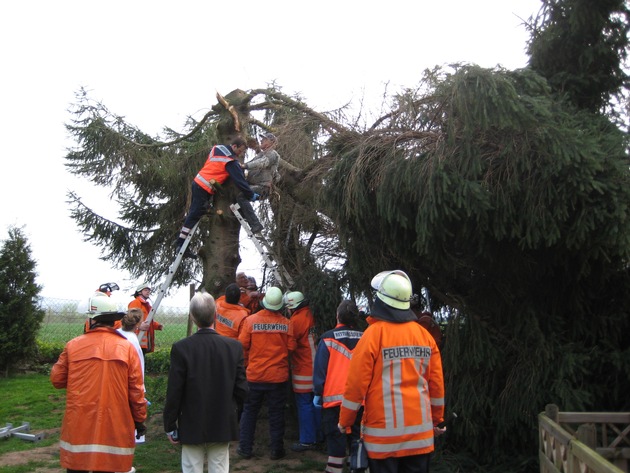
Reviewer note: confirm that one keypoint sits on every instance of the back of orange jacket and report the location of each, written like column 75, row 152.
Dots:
column 303, row 358
column 104, row 397
column 229, row 318
column 397, row 369
column 267, row 339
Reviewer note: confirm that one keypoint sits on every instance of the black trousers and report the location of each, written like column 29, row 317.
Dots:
column 411, row 464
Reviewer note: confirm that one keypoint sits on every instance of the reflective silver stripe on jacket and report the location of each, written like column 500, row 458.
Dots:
column 302, row 382
column 96, row 448
column 385, row 432
column 353, row 406
column 338, row 347
column 395, row 447
column 392, row 395
column 336, row 397
column 225, row 149
column 298, row 377
column 200, row 177
column 437, row 401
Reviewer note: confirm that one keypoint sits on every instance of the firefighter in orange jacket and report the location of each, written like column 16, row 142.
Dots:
column 230, row 314
column 332, row 362
column 250, row 295
column 396, row 370
column 302, row 359
column 267, row 340
column 105, row 401
column 222, row 164
column 146, row 330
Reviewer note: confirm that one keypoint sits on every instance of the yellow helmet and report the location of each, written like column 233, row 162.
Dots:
column 393, row 288
column 273, row 299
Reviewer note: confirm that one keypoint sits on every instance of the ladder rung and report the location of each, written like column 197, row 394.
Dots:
column 263, row 247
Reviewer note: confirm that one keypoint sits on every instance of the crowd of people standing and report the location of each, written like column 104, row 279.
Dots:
column 382, row 387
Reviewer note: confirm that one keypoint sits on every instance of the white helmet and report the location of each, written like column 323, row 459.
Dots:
column 103, row 307
column 293, row 299
column 393, row 288
column 142, row 286
column 273, row 299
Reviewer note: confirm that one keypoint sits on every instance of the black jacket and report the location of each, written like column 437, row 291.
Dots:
column 206, row 387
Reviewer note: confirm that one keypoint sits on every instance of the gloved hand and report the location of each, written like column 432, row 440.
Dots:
column 255, row 197
column 141, row 429
column 317, row 402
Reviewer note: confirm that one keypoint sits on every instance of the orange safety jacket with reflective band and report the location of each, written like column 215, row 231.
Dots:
column 396, row 369
column 267, row 339
column 104, row 397
column 332, row 362
column 148, row 341
column 214, row 168
column 303, row 357
column 229, row 318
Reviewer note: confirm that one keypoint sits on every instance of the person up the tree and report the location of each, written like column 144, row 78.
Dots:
column 222, row 164
column 262, row 170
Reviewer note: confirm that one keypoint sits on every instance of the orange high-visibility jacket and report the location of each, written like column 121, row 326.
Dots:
column 302, row 359
column 267, row 339
column 332, row 362
column 147, row 343
column 214, row 168
column 396, row 369
column 251, row 300
column 229, row 318
column 104, row 397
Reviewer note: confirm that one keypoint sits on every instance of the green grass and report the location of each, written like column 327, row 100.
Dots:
column 32, row 398
column 62, row 331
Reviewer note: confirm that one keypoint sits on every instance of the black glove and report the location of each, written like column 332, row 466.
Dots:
column 141, row 429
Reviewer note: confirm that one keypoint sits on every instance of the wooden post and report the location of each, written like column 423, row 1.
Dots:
column 551, row 411
column 587, row 434
column 189, row 328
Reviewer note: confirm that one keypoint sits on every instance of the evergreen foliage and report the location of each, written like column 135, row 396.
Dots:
column 581, row 46
column 148, row 184
column 505, row 193
column 512, row 208
column 20, row 316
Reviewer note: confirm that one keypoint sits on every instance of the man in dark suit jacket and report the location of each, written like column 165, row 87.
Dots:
column 206, row 388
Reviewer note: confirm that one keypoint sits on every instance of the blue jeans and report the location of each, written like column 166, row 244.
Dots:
column 275, row 394
column 309, row 417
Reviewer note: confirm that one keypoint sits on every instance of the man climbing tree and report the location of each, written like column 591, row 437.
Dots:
column 222, row 164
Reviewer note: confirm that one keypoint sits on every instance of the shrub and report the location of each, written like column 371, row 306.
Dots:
column 20, row 316
column 158, row 362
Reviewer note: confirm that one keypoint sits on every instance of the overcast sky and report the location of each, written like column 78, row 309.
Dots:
column 157, row 62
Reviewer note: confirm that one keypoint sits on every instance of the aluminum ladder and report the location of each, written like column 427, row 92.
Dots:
column 266, row 252
column 167, row 282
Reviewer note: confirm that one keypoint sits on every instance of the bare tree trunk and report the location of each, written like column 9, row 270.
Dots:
column 220, row 251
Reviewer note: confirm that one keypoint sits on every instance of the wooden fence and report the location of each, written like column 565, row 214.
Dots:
column 583, row 442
